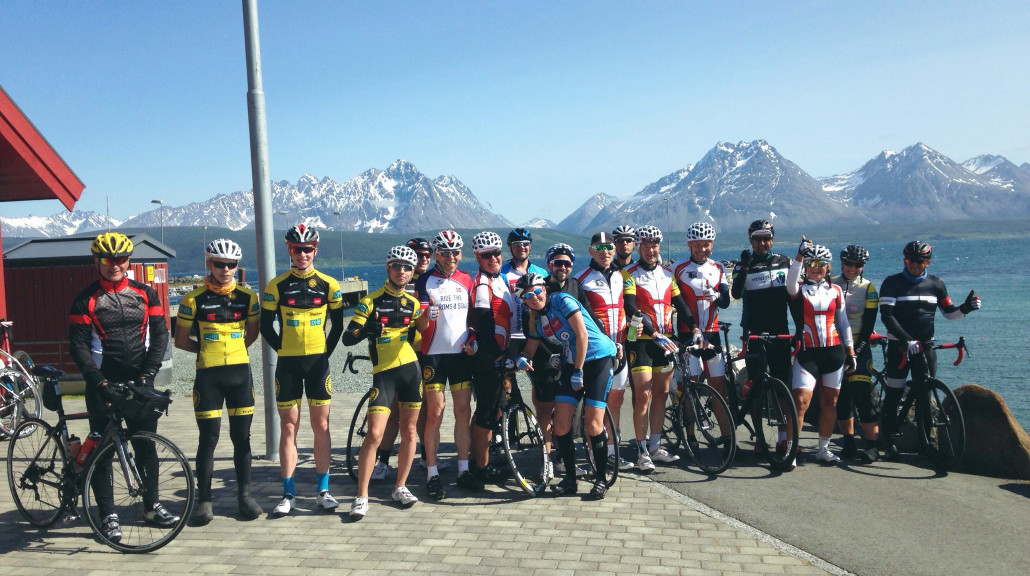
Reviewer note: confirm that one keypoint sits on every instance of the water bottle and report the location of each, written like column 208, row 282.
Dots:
column 635, row 324
column 74, row 447
column 745, row 389
column 87, row 448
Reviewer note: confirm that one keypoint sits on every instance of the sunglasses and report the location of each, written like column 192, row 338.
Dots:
column 561, row 263
column 522, row 243
column 425, row 254
column 449, row 253
column 486, row 255
column 119, row 261
column 402, row 267
column 302, row 249
column 604, row 247
column 625, row 241
column 853, row 264
column 535, row 292
column 224, row 265
column 816, row 263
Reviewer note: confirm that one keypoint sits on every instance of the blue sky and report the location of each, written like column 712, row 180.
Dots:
column 535, row 106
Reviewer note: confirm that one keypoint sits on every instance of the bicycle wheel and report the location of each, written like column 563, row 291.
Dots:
column 944, row 429
column 170, row 482
column 35, row 472
column 524, row 448
column 772, row 412
column 611, row 473
column 672, row 428
column 19, row 400
column 702, row 410
column 356, row 435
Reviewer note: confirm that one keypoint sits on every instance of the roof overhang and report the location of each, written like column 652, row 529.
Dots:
column 30, row 169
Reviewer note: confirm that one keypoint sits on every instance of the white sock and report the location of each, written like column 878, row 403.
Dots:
column 656, row 442
column 824, row 442
column 432, row 471
column 463, row 465
column 611, row 449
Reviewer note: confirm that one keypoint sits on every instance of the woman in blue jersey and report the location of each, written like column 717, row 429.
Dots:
column 588, row 355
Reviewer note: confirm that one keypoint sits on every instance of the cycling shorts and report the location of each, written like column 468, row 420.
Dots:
column 823, row 365
column 440, row 370
column 545, row 381
column 709, row 359
column 302, row 375
column 896, row 350
column 231, row 384
column 864, row 372
column 597, row 382
column 645, row 355
column 488, row 387
column 401, row 383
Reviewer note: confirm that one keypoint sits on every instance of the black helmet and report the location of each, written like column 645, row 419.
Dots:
column 855, row 253
column 526, row 282
column 417, row 244
column 760, row 226
column 519, row 234
column 917, row 250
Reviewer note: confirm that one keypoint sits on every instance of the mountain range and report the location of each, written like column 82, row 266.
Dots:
column 731, row 185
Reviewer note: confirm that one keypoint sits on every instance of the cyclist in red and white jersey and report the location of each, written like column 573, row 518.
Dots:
column 650, row 290
column 826, row 343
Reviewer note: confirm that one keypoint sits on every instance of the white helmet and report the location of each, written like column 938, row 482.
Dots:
column 624, row 231
column 701, row 231
column 486, row 241
column 402, row 254
column 649, row 233
column 818, row 252
column 448, row 240
column 223, row 248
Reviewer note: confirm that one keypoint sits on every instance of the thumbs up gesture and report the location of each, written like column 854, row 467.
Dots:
column 972, row 303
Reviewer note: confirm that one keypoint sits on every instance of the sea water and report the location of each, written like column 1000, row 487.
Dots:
column 998, row 335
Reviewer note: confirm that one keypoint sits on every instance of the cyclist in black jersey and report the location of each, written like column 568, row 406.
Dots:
column 129, row 320
column 908, row 302
column 625, row 243
column 224, row 317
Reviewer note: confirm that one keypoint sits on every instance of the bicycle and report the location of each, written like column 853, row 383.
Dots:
column 611, row 473
column 939, row 423
column 769, row 402
column 701, row 419
column 46, row 480
column 19, row 391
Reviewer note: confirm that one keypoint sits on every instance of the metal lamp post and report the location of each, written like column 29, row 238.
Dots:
column 162, row 211
column 342, row 276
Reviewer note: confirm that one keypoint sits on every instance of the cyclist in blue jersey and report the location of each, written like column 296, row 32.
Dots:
column 588, row 356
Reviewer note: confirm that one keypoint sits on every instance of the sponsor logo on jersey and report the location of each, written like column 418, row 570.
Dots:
column 291, row 301
column 212, row 317
column 362, row 307
column 268, row 297
column 231, row 295
column 312, row 283
column 428, row 372
column 185, row 310
column 317, row 301
column 235, row 335
column 337, row 294
column 293, row 322
column 212, row 336
column 372, row 395
column 315, row 322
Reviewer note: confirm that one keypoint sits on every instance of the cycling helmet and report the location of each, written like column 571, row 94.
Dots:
column 701, row 231
column 301, row 234
column 486, row 241
column 402, row 254
column 420, row 244
column 557, row 249
column 649, row 233
column 854, row 252
column 819, row 252
column 111, row 245
column 519, row 234
column 526, row 282
column 624, row 231
column 759, row 227
column 223, row 248
column 918, row 250
column 448, row 240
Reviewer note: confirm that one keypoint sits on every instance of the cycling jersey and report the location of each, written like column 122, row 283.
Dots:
column 493, row 308
column 860, row 300
column 604, row 291
column 552, row 325
column 414, row 336
column 693, row 280
column 818, row 309
column 763, row 286
column 396, row 310
column 654, row 290
column 512, row 275
column 300, row 301
column 908, row 305
column 220, row 314
column 129, row 320
column 449, row 332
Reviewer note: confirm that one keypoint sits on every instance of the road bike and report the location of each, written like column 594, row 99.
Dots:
column 19, row 390
column 47, row 479
column 700, row 418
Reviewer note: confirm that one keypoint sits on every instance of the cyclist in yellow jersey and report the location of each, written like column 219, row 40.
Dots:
column 224, row 316
column 300, row 299
column 385, row 318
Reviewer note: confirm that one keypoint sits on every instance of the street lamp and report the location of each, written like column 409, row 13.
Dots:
column 284, row 213
column 162, row 210
column 340, row 230
column 205, row 236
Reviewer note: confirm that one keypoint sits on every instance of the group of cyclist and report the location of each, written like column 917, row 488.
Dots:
column 581, row 336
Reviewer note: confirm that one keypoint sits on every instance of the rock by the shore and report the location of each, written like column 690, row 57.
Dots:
column 996, row 445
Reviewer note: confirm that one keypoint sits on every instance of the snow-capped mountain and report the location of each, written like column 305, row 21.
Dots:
column 920, row 184
column 733, row 184
column 538, row 223
column 58, row 225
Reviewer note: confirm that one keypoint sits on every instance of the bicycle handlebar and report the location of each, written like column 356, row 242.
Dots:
column 348, row 364
column 960, row 346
